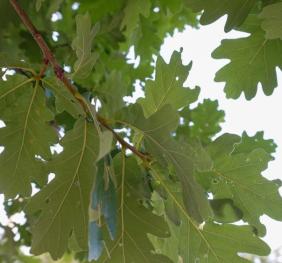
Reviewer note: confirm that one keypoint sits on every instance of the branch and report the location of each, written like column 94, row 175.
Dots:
column 125, row 144
column 47, row 53
column 49, row 58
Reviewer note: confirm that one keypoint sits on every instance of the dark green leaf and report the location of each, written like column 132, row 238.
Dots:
column 253, row 60
column 134, row 220
column 209, row 242
column 27, row 136
column 237, row 11
column 64, row 202
column 202, row 122
column 156, row 131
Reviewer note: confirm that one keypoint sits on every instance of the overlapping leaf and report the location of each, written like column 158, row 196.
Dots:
column 6, row 61
column 39, row 4
column 134, row 221
column 158, row 142
column 238, row 177
column 99, row 9
column 272, row 21
column 225, row 211
column 231, row 170
column 7, row 16
column 211, row 242
column 132, row 11
column 167, row 88
column 112, row 93
column 65, row 200
column 83, row 46
column 65, row 101
column 103, row 204
column 253, row 60
column 27, row 136
column 237, row 11
column 202, row 122
column 250, row 143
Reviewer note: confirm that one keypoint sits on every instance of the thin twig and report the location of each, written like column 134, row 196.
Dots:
column 47, row 53
column 44, row 68
column 49, row 58
column 125, row 144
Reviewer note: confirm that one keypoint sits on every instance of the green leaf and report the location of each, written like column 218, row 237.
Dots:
column 223, row 145
column 146, row 41
column 65, row 101
column 132, row 11
column 6, row 61
column 99, row 9
column 209, row 242
column 27, row 136
column 134, row 220
column 237, row 11
column 167, row 88
column 156, row 131
column 103, row 203
column 202, row 122
column 250, row 143
column 112, row 93
column 64, row 202
column 272, row 21
column 225, row 211
column 54, row 6
column 39, row 4
column 82, row 44
column 173, row 6
column 106, row 140
column 7, row 17
column 238, row 177
column 253, row 60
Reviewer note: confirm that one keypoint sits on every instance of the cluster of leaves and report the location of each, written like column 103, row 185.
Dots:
column 174, row 193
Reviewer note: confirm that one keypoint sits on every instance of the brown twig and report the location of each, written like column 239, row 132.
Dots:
column 44, row 68
column 125, row 144
column 49, row 58
column 47, row 53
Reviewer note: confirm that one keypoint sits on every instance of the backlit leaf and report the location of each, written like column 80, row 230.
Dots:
column 83, row 46
column 132, row 11
column 250, row 143
column 64, row 202
column 238, row 177
column 134, row 221
column 210, row 242
column 27, row 136
column 167, row 88
column 253, row 60
column 272, row 21
column 237, row 11
column 156, row 131
column 65, row 101
column 202, row 122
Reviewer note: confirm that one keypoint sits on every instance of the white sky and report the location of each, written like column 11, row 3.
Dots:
column 261, row 113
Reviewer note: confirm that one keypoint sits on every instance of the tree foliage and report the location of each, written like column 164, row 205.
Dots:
column 100, row 179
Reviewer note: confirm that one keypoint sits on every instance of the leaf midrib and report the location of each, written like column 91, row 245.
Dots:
column 71, row 184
